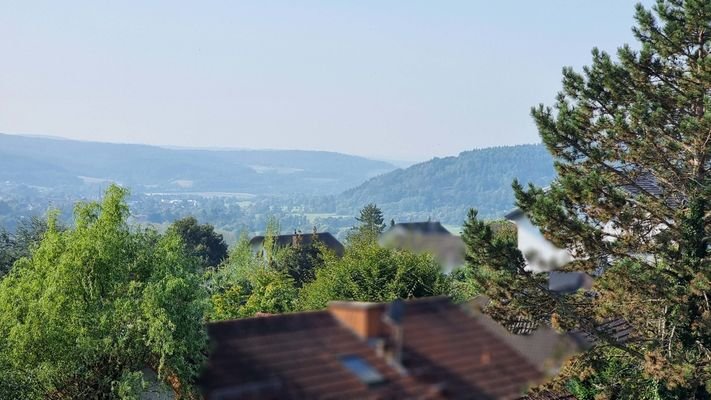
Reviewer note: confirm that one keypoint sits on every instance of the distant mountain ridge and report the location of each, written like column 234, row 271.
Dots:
column 325, row 188
column 70, row 164
column 445, row 188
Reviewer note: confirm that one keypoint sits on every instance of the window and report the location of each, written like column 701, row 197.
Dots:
column 362, row 369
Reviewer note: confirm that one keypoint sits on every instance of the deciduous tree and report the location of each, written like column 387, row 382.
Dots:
column 93, row 306
column 368, row 272
column 14, row 246
column 248, row 283
column 201, row 240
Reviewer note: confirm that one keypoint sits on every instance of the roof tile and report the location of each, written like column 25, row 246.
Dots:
column 447, row 354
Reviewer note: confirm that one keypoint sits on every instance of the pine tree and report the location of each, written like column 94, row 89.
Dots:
column 371, row 220
column 631, row 137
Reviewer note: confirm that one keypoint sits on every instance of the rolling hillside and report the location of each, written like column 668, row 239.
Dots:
column 74, row 165
column 445, row 188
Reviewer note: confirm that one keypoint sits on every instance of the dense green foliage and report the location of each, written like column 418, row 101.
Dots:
column 645, row 116
column 14, row 246
column 307, row 277
column 93, row 306
column 495, row 267
column 368, row 272
column 608, row 371
column 265, row 282
column 301, row 260
column 263, row 290
column 486, row 242
column 201, row 241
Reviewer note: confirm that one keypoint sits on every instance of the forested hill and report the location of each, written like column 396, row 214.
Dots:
column 73, row 165
column 445, row 188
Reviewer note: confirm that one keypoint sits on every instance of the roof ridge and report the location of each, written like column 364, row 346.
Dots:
column 273, row 317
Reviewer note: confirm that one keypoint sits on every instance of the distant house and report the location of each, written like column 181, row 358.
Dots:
column 420, row 349
column 328, row 240
column 420, row 228
column 428, row 237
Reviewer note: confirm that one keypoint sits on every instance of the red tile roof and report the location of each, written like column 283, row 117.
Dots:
column 447, row 354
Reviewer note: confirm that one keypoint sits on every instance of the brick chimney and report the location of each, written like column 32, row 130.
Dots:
column 364, row 319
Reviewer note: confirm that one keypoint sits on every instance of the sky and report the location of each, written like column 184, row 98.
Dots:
column 398, row 80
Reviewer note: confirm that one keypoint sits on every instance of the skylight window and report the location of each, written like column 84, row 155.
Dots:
column 362, row 369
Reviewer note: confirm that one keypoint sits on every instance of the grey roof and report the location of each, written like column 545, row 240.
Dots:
column 513, row 214
column 618, row 329
column 645, row 183
column 427, row 227
column 566, row 282
column 326, row 238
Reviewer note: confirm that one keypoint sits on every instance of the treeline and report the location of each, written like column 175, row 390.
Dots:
column 86, row 310
column 228, row 214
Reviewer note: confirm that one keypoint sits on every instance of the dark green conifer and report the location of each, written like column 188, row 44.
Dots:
column 371, row 220
column 631, row 137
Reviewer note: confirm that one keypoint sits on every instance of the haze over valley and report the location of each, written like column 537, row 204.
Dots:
column 238, row 190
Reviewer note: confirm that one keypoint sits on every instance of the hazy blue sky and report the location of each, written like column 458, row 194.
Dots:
column 390, row 79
